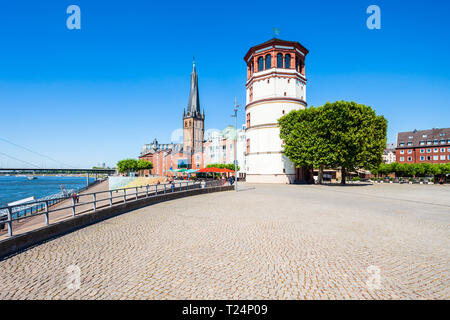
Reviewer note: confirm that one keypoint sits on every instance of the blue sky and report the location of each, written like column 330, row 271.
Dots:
column 98, row 94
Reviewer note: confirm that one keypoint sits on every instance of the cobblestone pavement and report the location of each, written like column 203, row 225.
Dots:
column 271, row 242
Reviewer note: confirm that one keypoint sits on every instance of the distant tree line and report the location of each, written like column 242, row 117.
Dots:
column 229, row 166
column 412, row 169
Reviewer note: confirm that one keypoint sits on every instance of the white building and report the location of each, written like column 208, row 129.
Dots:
column 276, row 85
column 389, row 154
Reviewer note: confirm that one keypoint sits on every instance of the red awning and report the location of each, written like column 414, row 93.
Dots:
column 209, row 170
column 226, row 170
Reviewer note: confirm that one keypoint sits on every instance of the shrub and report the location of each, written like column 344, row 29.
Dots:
column 356, row 179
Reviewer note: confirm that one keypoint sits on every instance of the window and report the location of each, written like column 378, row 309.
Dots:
column 435, row 141
column 248, row 120
column 422, row 142
column 448, row 150
column 409, row 151
column 428, row 141
column 410, row 137
column 260, row 64
column 409, row 143
column 248, row 146
column 409, row 159
column 435, row 150
column 297, row 64
column 279, row 60
column 401, row 144
column 422, row 150
column 442, row 149
column 402, row 158
column 448, row 141
column 428, row 150
column 283, row 113
column 443, row 157
column 442, row 141
column 435, row 157
column 268, row 61
column 441, row 134
column 428, row 158
column 198, row 165
column 231, row 147
column 287, row 61
column 402, row 151
column 422, row 158
column 224, row 148
column 448, row 157
column 424, row 136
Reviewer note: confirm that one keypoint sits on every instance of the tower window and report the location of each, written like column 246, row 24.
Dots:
column 279, row 60
column 260, row 64
column 297, row 64
column 287, row 61
column 248, row 146
column 248, row 120
column 268, row 61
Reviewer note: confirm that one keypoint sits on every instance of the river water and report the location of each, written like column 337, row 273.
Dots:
column 14, row 188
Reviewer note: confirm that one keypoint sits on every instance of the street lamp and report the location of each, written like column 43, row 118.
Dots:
column 236, row 106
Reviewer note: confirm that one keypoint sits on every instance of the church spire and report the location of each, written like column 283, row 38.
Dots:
column 194, row 101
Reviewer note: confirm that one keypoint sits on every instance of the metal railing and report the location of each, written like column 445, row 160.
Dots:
column 101, row 199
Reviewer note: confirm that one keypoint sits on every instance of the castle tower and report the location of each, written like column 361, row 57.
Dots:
column 193, row 121
column 276, row 85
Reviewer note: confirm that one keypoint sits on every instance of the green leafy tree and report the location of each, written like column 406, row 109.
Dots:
column 357, row 135
column 307, row 138
column 127, row 165
column 144, row 165
column 340, row 134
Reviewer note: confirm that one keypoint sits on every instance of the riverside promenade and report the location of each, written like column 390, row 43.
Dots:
column 267, row 242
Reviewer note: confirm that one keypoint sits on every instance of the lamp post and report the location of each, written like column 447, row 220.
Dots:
column 236, row 106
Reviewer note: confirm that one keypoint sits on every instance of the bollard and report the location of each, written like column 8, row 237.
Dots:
column 73, row 207
column 94, row 199
column 110, row 198
column 9, row 222
column 156, row 189
column 136, row 193
column 164, row 188
column 46, row 213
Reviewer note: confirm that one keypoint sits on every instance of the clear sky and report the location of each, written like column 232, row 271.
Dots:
column 98, row 94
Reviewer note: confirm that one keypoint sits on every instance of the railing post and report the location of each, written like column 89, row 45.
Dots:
column 110, row 198
column 156, row 189
column 94, row 204
column 164, row 188
column 46, row 213
column 136, row 193
column 146, row 191
column 124, row 195
column 9, row 222
column 73, row 207
column 180, row 186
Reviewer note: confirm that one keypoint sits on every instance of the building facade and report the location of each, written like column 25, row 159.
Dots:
column 219, row 148
column 423, row 146
column 276, row 85
column 389, row 154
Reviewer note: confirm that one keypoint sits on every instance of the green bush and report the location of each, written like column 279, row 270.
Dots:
column 356, row 179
